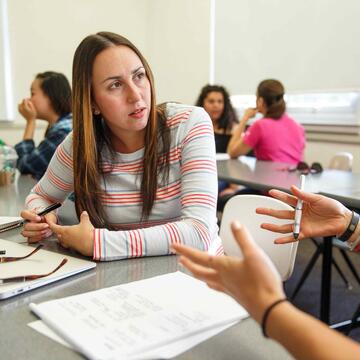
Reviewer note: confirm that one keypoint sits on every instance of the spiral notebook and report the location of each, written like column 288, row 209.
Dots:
column 41, row 262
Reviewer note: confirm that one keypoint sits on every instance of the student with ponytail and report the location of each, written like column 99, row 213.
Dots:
column 275, row 137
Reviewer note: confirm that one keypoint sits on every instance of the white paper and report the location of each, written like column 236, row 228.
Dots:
column 42, row 328
column 165, row 352
column 133, row 319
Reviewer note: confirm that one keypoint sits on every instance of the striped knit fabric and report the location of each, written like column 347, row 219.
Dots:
column 184, row 210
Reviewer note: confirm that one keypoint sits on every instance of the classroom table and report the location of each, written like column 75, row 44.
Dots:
column 265, row 175
column 18, row 341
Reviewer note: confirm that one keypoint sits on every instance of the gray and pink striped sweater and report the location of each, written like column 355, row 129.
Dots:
column 184, row 210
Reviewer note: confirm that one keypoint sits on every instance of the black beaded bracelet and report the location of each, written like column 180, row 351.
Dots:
column 267, row 313
column 351, row 228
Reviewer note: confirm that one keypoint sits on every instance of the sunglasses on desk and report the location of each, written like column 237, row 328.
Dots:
column 304, row 168
column 21, row 278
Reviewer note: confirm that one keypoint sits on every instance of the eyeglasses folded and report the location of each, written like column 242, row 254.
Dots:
column 21, row 278
column 304, row 168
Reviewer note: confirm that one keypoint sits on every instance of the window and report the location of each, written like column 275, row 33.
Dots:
column 6, row 92
column 339, row 108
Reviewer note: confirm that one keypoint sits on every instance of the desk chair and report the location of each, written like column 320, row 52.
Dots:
column 242, row 208
column 340, row 161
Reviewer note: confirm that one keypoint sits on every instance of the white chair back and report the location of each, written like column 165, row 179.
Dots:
column 341, row 161
column 242, row 208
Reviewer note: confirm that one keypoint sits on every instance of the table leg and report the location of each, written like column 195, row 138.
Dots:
column 326, row 281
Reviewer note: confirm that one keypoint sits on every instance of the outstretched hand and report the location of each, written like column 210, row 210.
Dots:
column 252, row 281
column 321, row 216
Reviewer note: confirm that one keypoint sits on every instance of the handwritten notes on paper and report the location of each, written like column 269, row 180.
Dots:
column 132, row 319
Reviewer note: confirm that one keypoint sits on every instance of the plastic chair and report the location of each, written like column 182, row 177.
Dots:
column 242, row 208
column 341, row 161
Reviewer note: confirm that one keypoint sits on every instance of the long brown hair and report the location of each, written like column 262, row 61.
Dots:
column 228, row 118
column 91, row 135
column 272, row 91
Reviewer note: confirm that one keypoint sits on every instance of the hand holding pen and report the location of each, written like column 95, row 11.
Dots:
column 36, row 227
column 320, row 216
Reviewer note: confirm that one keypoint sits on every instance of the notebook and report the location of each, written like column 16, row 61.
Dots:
column 41, row 262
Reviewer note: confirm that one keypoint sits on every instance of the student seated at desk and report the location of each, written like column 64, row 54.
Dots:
column 256, row 285
column 50, row 101
column 216, row 102
column 275, row 137
column 144, row 176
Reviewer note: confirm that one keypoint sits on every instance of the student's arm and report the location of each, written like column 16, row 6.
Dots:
column 33, row 160
column 193, row 142
column 255, row 284
column 308, row 338
column 54, row 186
column 321, row 216
column 236, row 146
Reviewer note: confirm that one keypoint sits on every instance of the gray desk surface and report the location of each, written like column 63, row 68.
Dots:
column 18, row 341
column 265, row 175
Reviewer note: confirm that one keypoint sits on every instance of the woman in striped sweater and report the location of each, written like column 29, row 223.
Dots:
column 144, row 176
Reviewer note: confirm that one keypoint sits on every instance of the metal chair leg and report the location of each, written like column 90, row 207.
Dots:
column 350, row 265
column 307, row 271
column 355, row 321
column 346, row 281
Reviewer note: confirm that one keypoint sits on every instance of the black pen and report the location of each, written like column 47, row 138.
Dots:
column 18, row 223
column 49, row 209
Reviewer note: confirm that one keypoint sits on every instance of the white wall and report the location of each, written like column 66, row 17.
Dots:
column 307, row 44
column 172, row 35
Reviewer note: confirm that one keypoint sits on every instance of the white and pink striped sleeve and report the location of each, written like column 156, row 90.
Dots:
column 57, row 182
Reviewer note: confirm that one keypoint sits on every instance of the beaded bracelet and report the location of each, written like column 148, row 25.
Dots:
column 267, row 313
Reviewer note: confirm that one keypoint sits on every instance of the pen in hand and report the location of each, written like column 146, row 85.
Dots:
column 49, row 209
column 18, row 223
column 298, row 210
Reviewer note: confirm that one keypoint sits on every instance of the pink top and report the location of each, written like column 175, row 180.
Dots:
column 281, row 140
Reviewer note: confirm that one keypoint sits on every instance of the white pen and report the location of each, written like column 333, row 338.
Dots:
column 298, row 210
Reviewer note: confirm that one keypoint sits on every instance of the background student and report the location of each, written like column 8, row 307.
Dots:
column 256, row 285
column 50, row 101
column 144, row 176
column 275, row 137
column 216, row 101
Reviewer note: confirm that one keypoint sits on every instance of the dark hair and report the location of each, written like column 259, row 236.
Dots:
column 228, row 118
column 91, row 134
column 57, row 88
column 272, row 91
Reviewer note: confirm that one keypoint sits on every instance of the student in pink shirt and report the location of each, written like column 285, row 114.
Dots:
column 275, row 137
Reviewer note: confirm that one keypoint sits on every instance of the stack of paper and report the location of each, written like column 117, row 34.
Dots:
column 158, row 317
